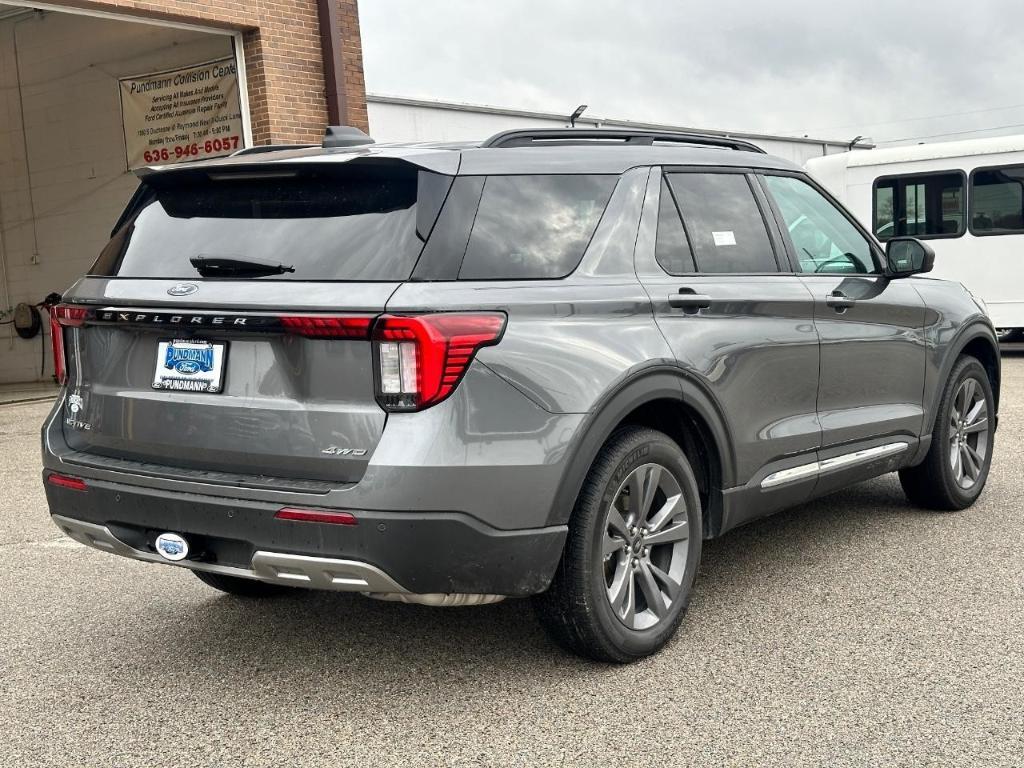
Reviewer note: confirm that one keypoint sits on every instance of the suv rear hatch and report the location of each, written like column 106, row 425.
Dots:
column 226, row 325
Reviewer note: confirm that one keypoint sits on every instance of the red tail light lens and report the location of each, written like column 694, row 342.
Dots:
column 422, row 358
column 316, row 516
column 66, row 481
column 63, row 315
column 350, row 327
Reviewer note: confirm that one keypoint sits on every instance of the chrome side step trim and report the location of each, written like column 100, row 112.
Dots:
column 864, row 455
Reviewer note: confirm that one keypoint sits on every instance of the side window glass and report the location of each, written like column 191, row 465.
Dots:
column 823, row 238
column 997, row 201
column 530, row 227
column 726, row 230
column 672, row 249
column 926, row 206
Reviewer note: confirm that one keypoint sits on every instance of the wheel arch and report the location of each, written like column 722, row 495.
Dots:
column 668, row 400
column 979, row 341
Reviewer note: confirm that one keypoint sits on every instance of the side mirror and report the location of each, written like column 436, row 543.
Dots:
column 907, row 256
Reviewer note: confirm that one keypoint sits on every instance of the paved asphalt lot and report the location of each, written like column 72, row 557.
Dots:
column 851, row 631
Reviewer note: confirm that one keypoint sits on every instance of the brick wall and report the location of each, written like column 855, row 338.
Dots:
column 282, row 55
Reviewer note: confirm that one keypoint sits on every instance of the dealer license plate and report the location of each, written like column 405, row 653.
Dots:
column 188, row 365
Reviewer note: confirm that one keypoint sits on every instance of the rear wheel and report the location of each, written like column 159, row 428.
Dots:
column 954, row 472
column 631, row 557
column 234, row 585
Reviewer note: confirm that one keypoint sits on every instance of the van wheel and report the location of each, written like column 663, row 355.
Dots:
column 631, row 557
column 954, row 472
column 240, row 587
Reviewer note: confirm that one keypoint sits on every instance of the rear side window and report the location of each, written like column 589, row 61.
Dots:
column 673, row 248
column 529, row 227
column 723, row 221
column 359, row 222
column 929, row 205
column 997, row 201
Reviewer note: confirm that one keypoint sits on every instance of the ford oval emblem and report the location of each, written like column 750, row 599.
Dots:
column 183, row 289
column 171, row 546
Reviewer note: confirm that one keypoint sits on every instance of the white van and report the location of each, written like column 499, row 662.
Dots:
column 967, row 197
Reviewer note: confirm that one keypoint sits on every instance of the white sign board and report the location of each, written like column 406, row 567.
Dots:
column 183, row 114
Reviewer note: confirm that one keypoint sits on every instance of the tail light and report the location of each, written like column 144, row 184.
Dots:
column 61, row 316
column 422, row 358
column 319, row 327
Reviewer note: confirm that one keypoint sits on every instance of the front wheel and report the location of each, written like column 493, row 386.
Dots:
column 956, row 467
column 632, row 553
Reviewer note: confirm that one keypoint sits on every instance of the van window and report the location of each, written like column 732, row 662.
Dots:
column 724, row 223
column 530, row 227
column 997, row 201
column 924, row 206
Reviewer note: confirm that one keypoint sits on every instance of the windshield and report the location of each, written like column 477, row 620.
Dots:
column 358, row 222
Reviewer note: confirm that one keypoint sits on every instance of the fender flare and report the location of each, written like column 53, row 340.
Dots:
column 662, row 382
column 975, row 329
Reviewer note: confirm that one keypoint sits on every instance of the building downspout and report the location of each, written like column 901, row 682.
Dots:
column 334, row 72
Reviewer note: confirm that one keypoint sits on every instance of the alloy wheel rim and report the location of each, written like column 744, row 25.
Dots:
column 968, row 433
column 645, row 547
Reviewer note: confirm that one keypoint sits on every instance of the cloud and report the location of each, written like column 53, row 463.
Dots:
column 828, row 69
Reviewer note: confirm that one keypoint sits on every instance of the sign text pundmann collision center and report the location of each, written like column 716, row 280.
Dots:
column 184, row 114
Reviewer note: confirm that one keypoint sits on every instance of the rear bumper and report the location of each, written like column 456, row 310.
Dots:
column 394, row 552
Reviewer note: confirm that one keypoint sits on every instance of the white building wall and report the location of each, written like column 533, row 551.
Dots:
column 397, row 120
column 69, row 66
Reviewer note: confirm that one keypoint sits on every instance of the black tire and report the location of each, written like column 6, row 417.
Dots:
column 240, row 587
column 933, row 484
column 576, row 610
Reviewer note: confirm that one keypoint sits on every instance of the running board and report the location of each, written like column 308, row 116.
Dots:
column 815, row 468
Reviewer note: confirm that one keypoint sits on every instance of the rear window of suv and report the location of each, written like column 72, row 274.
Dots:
column 531, row 227
column 358, row 222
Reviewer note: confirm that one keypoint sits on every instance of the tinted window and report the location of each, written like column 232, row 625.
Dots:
column 534, row 226
column 823, row 238
column 723, row 222
column 352, row 223
column 920, row 206
column 997, row 201
column 673, row 247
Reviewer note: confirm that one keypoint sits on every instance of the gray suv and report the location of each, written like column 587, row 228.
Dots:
column 550, row 365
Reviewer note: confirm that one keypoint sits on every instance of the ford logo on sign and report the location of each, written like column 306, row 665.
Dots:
column 171, row 546
column 187, row 367
column 183, row 289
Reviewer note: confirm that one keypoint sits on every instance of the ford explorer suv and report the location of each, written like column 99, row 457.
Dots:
column 550, row 364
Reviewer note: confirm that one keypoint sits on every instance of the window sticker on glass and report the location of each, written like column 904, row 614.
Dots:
column 724, row 238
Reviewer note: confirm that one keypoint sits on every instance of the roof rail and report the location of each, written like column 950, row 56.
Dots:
column 546, row 137
column 259, row 149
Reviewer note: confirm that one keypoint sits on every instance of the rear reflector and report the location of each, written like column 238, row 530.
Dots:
column 348, row 327
column 66, row 481
column 422, row 358
column 316, row 516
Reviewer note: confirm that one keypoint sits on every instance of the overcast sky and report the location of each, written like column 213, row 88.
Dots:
column 824, row 68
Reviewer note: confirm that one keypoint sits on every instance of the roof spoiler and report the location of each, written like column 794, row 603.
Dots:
column 344, row 136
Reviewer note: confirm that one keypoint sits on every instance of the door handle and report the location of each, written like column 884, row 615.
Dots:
column 688, row 301
column 839, row 301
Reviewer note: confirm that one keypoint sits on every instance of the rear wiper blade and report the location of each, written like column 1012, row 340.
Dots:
column 210, row 266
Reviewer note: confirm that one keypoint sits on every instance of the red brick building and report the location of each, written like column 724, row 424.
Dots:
column 83, row 104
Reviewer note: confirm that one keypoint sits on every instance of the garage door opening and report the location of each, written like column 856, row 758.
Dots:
column 85, row 99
